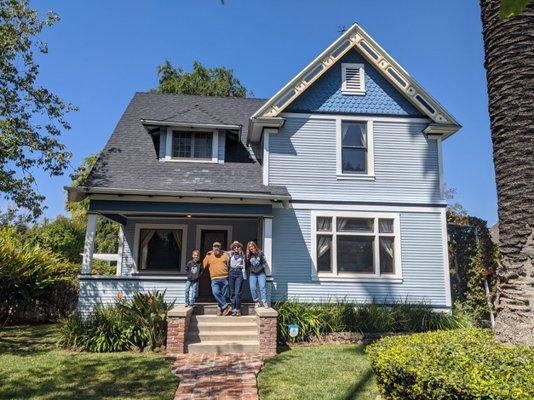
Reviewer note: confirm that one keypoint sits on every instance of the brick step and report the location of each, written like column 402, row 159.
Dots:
column 207, row 335
column 211, row 309
column 224, row 346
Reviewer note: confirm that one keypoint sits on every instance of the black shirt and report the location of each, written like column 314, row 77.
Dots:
column 194, row 270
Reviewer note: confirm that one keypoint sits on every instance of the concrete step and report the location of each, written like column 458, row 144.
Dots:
column 211, row 309
column 224, row 346
column 230, row 336
column 214, row 319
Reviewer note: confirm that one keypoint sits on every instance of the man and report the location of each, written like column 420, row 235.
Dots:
column 216, row 262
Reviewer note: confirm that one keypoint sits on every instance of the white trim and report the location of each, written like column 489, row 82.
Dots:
column 439, row 142
column 447, row 274
column 227, row 228
column 189, row 125
column 334, row 275
column 370, row 160
column 265, row 160
column 170, row 199
column 214, row 145
column 344, row 89
column 120, row 250
column 89, row 244
column 135, row 252
column 366, row 207
column 267, row 243
column 356, row 117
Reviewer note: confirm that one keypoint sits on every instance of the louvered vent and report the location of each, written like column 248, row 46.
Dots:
column 353, row 79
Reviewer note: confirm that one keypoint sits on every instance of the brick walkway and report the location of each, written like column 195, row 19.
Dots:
column 212, row 376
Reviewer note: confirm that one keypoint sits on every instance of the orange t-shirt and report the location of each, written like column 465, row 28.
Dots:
column 217, row 265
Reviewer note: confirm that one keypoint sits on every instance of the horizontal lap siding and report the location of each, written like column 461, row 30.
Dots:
column 302, row 156
column 422, row 263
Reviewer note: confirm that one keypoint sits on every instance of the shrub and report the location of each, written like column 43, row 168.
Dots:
column 35, row 284
column 457, row 364
column 315, row 320
column 135, row 324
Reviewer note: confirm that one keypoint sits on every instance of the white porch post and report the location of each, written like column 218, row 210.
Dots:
column 120, row 250
column 268, row 241
column 89, row 244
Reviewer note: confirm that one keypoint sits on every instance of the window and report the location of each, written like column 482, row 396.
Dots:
column 353, row 79
column 357, row 245
column 196, row 145
column 354, row 147
column 160, row 247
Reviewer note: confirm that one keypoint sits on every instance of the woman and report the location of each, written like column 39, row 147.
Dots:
column 257, row 263
column 236, row 276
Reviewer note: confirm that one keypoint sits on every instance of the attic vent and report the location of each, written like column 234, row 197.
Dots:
column 353, row 79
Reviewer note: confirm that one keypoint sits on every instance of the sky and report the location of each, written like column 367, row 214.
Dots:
column 102, row 52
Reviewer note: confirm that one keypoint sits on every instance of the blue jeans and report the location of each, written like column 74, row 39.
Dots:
column 236, row 284
column 261, row 280
column 219, row 288
column 191, row 292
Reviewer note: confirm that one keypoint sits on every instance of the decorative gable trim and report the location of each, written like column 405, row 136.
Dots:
column 353, row 79
column 357, row 38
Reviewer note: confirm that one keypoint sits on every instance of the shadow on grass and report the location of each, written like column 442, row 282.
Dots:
column 358, row 387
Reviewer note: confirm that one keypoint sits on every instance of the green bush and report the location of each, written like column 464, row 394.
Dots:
column 135, row 324
column 315, row 320
column 35, row 284
column 448, row 365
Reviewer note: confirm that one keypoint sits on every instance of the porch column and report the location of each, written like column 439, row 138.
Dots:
column 89, row 246
column 268, row 241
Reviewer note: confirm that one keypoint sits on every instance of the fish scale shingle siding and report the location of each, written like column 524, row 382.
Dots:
column 302, row 157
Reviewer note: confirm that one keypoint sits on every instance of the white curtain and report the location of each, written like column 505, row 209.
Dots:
column 386, row 244
column 323, row 245
column 385, row 225
column 145, row 239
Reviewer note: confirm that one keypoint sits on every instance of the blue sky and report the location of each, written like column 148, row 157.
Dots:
column 103, row 51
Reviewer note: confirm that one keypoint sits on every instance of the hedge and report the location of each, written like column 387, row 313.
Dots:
column 448, row 365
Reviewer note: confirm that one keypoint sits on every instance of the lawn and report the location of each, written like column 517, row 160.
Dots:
column 32, row 367
column 320, row 372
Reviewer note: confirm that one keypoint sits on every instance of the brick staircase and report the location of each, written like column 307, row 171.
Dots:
column 209, row 333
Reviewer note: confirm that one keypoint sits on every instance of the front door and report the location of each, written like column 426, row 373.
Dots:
column 207, row 237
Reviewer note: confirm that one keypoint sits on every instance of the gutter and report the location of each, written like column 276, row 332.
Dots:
column 188, row 124
column 77, row 193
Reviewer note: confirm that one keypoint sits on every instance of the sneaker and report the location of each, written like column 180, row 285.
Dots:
column 257, row 304
column 219, row 312
column 227, row 310
column 237, row 313
column 264, row 304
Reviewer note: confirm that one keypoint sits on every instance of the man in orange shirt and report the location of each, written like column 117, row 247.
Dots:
column 216, row 262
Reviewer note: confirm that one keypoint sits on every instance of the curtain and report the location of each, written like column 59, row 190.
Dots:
column 324, row 224
column 146, row 236
column 178, row 238
column 385, row 225
column 323, row 245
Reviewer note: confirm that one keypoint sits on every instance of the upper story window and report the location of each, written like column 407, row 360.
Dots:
column 191, row 146
column 353, row 79
column 355, row 149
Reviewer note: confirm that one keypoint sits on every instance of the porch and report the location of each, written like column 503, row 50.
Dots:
column 156, row 239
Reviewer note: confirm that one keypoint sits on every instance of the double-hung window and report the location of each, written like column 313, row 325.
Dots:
column 355, row 149
column 361, row 244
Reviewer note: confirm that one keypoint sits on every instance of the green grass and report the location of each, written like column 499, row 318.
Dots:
column 321, row 372
column 32, row 367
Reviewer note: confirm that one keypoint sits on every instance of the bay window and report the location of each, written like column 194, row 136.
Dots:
column 356, row 244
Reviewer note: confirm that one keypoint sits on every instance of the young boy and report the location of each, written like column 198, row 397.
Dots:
column 194, row 269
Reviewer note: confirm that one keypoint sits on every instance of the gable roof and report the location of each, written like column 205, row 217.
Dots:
column 129, row 163
column 355, row 37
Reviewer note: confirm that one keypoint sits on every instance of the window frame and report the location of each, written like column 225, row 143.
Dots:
column 136, row 253
column 356, row 92
column 355, row 276
column 369, row 174
column 214, row 145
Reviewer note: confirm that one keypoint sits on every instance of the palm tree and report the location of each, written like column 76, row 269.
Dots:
column 509, row 62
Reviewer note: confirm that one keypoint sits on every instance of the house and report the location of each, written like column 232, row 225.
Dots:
column 338, row 177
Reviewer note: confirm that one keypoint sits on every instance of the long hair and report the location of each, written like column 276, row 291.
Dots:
column 249, row 253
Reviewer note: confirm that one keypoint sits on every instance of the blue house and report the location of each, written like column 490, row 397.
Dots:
column 338, row 177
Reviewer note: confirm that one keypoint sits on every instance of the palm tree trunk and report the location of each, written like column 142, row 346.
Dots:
column 509, row 51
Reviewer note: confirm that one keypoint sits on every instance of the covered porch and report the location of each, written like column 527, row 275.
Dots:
column 156, row 239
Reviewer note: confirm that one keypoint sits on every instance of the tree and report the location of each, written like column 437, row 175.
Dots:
column 509, row 62
column 31, row 116
column 202, row 81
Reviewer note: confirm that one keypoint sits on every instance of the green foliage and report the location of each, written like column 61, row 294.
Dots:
column 315, row 320
column 35, row 283
column 32, row 116
column 201, row 81
column 510, row 8
column 135, row 324
column 461, row 364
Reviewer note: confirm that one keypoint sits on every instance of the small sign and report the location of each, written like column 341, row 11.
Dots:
column 293, row 330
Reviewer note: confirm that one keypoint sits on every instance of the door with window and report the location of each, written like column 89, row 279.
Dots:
column 207, row 238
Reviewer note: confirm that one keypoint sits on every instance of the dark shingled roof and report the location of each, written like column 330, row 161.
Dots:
column 129, row 159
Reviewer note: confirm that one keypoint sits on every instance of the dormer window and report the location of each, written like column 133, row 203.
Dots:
column 191, row 145
column 353, row 79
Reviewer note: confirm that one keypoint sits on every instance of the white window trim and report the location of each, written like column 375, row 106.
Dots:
column 214, row 146
column 227, row 228
column 344, row 89
column 137, row 235
column 356, row 277
column 370, row 174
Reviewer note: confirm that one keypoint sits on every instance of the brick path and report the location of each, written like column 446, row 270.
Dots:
column 212, row 376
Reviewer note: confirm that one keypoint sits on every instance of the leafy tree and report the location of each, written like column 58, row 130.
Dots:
column 201, row 81
column 509, row 62
column 32, row 117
